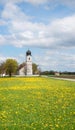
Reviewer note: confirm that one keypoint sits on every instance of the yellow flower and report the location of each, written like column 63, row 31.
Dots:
column 57, row 125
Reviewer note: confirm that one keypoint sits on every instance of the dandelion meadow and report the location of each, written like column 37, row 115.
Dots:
column 37, row 103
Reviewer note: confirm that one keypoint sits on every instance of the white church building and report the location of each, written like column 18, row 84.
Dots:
column 26, row 68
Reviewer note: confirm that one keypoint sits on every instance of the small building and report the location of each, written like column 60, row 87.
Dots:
column 26, row 68
column 22, row 71
column 57, row 73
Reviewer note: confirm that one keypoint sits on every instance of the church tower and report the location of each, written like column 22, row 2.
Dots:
column 28, row 63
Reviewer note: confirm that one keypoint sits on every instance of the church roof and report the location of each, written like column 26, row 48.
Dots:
column 28, row 52
column 21, row 65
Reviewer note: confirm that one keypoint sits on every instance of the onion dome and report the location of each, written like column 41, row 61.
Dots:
column 28, row 53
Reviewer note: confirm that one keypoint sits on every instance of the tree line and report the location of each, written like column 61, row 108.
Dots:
column 52, row 72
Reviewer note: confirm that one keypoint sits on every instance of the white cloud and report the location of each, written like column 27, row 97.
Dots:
column 2, row 22
column 2, row 40
column 4, row 58
column 29, row 1
column 37, row 1
column 59, row 33
column 70, row 3
column 15, row 12
column 22, row 31
column 55, row 60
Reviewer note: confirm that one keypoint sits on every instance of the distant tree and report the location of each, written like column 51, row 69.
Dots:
column 2, row 68
column 11, row 66
column 39, row 70
column 51, row 72
column 35, row 68
column 45, row 73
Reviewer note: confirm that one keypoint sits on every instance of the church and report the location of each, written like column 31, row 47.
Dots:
column 26, row 68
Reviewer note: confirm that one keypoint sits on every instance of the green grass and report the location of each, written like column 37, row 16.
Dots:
column 37, row 103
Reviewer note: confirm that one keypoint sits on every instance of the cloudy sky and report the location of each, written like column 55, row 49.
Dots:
column 46, row 27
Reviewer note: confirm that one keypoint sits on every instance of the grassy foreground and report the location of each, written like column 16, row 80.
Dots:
column 37, row 103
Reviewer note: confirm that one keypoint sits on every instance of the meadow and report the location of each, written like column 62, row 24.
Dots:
column 37, row 103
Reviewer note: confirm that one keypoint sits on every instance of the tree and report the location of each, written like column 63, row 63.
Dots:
column 39, row 70
column 2, row 68
column 35, row 68
column 11, row 66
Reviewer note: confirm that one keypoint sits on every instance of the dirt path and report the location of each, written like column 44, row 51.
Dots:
column 64, row 79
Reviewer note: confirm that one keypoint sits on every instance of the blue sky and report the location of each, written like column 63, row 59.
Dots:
column 46, row 27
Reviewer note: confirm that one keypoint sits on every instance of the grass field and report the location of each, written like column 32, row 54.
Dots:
column 37, row 103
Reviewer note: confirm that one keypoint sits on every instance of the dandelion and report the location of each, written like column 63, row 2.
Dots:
column 57, row 125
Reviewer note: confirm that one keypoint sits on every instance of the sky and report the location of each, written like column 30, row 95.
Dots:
column 46, row 27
